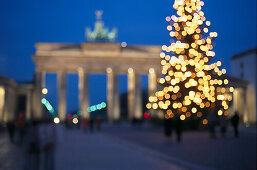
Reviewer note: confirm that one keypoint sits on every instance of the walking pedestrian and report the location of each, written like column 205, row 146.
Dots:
column 235, row 122
column 212, row 119
column 98, row 123
column 11, row 130
column 32, row 147
column 91, row 125
column 20, row 125
column 179, row 128
column 168, row 127
column 48, row 140
column 223, row 122
column 84, row 124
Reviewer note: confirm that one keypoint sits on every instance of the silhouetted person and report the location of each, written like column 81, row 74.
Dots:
column 66, row 123
column 235, row 122
column 98, row 124
column 168, row 127
column 20, row 124
column 212, row 119
column 32, row 147
column 179, row 128
column 48, row 140
column 223, row 125
column 11, row 130
column 91, row 125
column 84, row 124
column 78, row 124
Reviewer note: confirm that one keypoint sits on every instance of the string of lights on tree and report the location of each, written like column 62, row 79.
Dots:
column 74, row 117
column 191, row 87
column 93, row 108
column 97, row 107
column 48, row 106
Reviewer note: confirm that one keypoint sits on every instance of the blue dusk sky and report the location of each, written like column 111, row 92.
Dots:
column 25, row 22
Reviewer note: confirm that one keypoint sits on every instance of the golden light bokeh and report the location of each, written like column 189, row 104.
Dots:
column 44, row 91
column 190, row 84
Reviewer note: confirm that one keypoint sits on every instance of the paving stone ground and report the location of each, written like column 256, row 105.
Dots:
column 196, row 148
column 84, row 151
column 11, row 156
column 124, row 147
column 98, row 152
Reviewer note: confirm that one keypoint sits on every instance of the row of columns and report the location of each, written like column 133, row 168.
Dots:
column 113, row 101
column 83, row 93
column 244, row 103
column 134, row 95
column 29, row 105
column 37, row 108
column 62, row 99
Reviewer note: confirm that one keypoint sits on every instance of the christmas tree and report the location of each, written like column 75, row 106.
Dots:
column 191, row 87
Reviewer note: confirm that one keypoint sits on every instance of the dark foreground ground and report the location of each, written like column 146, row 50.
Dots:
column 126, row 147
column 77, row 150
column 196, row 150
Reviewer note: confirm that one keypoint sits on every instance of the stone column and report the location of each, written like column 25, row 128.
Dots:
column 113, row 101
column 39, row 78
column 28, row 106
column 131, row 93
column 134, row 95
column 245, row 111
column 6, row 114
column 152, row 82
column 2, row 103
column 62, row 95
column 83, row 93
column 152, row 85
column 138, row 97
column 251, row 103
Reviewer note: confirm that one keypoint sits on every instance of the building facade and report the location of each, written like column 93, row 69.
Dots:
column 243, row 66
column 112, row 59
column 15, row 100
column 97, row 57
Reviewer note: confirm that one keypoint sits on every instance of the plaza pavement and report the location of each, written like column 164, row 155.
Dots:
column 197, row 150
column 11, row 156
column 84, row 151
column 126, row 147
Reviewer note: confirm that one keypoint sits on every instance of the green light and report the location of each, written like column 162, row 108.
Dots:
column 93, row 108
column 49, row 107
column 99, row 106
column 43, row 101
column 79, row 113
column 47, row 104
column 103, row 104
column 96, row 107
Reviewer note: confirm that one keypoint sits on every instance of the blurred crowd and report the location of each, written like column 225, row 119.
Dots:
column 223, row 122
column 38, row 140
column 214, row 122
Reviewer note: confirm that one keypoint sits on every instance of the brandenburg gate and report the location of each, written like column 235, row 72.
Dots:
column 99, row 55
column 109, row 58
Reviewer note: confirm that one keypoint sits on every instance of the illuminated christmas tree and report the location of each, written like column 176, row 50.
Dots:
column 191, row 87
